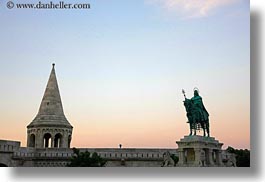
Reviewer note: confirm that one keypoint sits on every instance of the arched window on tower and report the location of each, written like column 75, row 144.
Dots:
column 58, row 140
column 32, row 140
column 47, row 140
column 69, row 140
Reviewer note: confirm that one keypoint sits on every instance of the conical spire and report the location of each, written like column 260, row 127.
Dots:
column 51, row 108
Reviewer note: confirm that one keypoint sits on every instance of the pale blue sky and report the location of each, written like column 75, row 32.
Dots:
column 120, row 56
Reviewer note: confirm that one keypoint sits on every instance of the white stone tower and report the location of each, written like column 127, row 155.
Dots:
column 50, row 128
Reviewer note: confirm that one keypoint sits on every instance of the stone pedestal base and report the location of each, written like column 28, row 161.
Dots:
column 199, row 151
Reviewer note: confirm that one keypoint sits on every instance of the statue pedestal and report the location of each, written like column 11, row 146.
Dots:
column 199, row 151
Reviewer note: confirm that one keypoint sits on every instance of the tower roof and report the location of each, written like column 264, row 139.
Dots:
column 51, row 108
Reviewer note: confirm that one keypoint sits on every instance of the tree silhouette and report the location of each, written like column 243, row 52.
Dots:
column 85, row 159
column 242, row 156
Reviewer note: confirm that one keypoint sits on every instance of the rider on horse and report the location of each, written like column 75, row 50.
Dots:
column 198, row 117
column 199, row 107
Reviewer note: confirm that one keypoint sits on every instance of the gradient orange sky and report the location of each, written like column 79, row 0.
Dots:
column 121, row 73
column 131, row 114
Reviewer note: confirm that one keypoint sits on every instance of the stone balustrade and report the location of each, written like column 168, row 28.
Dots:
column 108, row 153
column 9, row 146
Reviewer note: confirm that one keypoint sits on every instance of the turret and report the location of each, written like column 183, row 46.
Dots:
column 50, row 128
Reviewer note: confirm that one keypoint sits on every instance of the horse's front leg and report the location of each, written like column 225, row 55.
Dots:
column 208, row 128
column 194, row 127
column 190, row 129
column 204, row 129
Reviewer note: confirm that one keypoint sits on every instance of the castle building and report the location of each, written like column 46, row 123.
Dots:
column 49, row 140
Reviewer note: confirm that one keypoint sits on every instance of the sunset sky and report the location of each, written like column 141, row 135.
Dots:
column 121, row 66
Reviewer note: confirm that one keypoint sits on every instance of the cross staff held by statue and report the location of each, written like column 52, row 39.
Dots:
column 184, row 93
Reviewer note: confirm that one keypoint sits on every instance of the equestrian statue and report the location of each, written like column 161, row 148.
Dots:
column 197, row 115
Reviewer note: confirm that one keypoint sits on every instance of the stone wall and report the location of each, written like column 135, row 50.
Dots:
column 7, row 149
column 11, row 154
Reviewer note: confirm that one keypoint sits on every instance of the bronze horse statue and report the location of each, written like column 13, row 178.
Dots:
column 198, row 117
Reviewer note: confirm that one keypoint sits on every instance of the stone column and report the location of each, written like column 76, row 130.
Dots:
column 219, row 158
column 181, row 157
column 210, row 157
column 62, row 143
column 197, row 160
column 52, row 141
column 39, row 140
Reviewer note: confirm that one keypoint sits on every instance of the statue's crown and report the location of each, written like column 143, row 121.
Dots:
column 196, row 89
